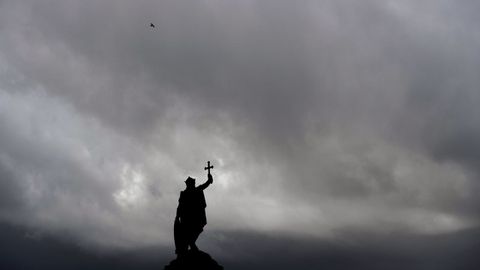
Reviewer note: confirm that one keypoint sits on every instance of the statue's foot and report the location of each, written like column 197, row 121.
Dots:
column 193, row 247
column 181, row 252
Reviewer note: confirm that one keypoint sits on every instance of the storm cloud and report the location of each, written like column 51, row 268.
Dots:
column 323, row 119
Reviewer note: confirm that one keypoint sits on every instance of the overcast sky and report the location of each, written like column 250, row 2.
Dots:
column 323, row 119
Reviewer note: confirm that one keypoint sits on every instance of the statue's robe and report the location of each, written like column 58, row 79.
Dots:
column 191, row 210
column 192, row 207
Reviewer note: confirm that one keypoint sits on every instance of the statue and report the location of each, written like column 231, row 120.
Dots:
column 189, row 223
column 191, row 217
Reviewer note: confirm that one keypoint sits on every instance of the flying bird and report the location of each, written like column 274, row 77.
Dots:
column 152, row 25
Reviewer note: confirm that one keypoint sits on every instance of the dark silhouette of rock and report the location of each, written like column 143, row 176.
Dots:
column 194, row 260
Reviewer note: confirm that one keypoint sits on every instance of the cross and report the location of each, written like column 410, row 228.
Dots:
column 208, row 167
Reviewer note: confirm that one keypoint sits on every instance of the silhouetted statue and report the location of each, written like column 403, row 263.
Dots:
column 191, row 217
column 189, row 223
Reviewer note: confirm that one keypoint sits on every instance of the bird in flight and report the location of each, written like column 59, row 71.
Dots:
column 152, row 25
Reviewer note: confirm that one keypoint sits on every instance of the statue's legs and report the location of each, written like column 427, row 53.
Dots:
column 194, row 232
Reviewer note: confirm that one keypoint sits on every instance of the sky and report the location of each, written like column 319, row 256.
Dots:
column 340, row 131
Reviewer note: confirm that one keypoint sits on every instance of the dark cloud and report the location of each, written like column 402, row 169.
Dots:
column 24, row 248
column 361, row 251
column 11, row 193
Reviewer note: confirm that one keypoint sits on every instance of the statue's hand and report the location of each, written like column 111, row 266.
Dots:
column 210, row 178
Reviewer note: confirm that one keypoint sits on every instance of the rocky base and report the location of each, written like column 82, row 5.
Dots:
column 194, row 260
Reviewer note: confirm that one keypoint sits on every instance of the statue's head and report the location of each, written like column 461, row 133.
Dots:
column 190, row 182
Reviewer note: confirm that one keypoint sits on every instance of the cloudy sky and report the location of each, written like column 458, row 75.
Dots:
column 344, row 130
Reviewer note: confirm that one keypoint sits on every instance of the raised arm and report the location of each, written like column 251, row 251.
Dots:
column 206, row 184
